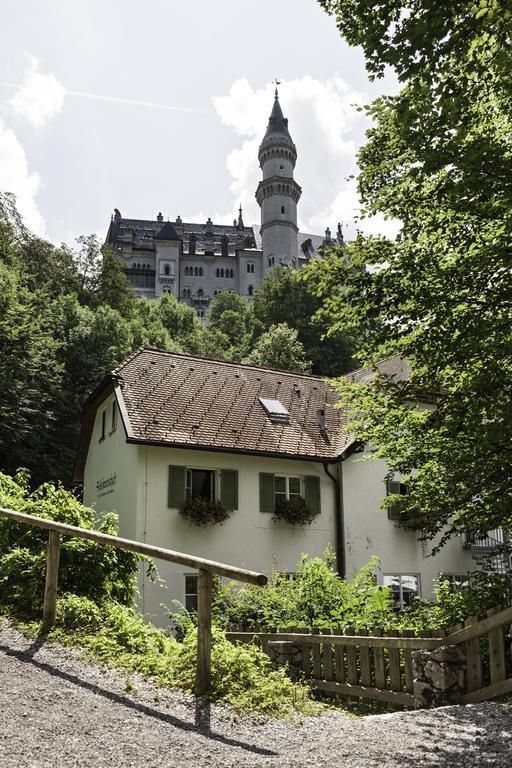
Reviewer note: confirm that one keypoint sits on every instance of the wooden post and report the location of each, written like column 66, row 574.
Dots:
column 204, row 632
column 52, row 576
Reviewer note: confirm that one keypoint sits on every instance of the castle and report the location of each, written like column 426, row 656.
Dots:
column 195, row 262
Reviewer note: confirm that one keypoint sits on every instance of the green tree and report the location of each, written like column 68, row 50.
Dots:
column 439, row 158
column 290, row 297
column 227, row 300
column 279, row 347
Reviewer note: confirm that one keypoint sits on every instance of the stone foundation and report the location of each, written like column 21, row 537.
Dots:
column 285, row 653
column 438, row 676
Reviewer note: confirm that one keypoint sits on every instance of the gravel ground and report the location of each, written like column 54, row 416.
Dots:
column 57, row 710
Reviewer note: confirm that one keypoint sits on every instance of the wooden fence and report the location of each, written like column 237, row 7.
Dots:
column 379, row 666
column 204, row 583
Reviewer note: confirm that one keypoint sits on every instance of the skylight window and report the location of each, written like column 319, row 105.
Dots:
column 275, row 409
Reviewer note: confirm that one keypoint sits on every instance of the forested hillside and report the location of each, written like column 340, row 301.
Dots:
column 68, row 316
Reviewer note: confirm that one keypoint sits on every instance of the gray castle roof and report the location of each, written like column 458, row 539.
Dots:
column 142, row 234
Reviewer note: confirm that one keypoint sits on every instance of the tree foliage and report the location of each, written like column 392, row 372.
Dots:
column 439, row 159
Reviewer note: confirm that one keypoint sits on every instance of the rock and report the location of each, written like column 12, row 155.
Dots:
column 449, row 653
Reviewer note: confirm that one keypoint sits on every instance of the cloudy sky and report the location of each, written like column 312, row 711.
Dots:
column 161, row 105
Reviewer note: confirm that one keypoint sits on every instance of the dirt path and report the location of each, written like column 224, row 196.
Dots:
column 55, row 710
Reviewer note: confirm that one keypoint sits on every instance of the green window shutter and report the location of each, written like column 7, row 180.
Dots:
column 267, row 501
column 229, row 489
column 312, row 493
column 393, row 487
column 177, row 480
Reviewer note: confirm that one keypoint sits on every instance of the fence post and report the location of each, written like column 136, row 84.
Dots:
column 204, row 632
column 52, row 575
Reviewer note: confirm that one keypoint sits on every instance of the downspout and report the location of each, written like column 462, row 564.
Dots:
column 339, row 520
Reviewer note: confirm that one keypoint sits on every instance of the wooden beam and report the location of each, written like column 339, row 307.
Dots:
column 52, row 577
column 480, row 628
column 230, row 571
column 344, row 689
column 412, row 643
column 490, row 692
column 204, row 632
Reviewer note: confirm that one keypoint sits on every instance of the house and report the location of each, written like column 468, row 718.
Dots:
column 195, row 261
column 164, row 426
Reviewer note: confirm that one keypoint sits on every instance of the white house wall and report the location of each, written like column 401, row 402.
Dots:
column 111, row 472
column 249, row 538
column 369, row 531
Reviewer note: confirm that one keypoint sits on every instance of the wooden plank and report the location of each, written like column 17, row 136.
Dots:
column 327, row 657
column 500, row 619
column 52, row 578
column 355, row 691
column 364, row 657
column 316, row 659
column 378, row 663
column 408, row 663
column 496, row 652
column 395, row 677
column 489, row 692
column 221, row 569
column 306, row 659
column 204, row 632
column 473, row 659
column 352, row 661
column 339, row 659
column 372, row 641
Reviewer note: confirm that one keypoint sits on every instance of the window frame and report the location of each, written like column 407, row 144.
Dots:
column 215, row 484
column 400, row 576
column 191, row 594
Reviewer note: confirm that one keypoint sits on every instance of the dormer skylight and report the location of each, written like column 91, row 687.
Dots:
column 275, row 410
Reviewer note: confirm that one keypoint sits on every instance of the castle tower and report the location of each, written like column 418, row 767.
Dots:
column 278, row 193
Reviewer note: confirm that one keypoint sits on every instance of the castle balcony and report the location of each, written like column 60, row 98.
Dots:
column 200, row 298
column 166, row 279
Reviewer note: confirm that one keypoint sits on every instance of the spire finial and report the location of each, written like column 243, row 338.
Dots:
column 240, row 223
column 277, row 82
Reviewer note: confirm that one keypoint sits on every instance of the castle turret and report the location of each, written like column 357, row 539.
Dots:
column 278, row 193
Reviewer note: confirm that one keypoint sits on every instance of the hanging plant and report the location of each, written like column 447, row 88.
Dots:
column 202, row 511
column 295, row 511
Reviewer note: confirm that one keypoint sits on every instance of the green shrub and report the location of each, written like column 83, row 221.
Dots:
column 86, row 568
column 241, row 675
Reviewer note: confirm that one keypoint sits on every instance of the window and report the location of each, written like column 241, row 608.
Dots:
column 285, row 487
column 275, row 409
column 282, row 209
column 114, row 417
column 250, row 290
column 250, row 267
column 200, row 293
column 196, row 271
column 200, row 482
column 275, row 488
column 396, row 511
column 217, row 272
column 167, row 270
column 222, row 273
column 191, row 592
column 200, row 313
column 103, row 421
column 209, row 483
column 404, row 587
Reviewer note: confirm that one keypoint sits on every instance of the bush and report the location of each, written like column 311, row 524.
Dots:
column 86, row 568
column 202, row 511
column 295, row 511
column 241, row 675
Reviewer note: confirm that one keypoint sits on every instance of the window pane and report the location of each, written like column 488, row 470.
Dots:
column 409, row 589
column 191, row 585
column 191, row 603
column 202, row 483
column 280, row 484
column 294, row 486
column 393, row 582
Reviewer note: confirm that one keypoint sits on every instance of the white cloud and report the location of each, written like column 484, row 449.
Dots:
column 327, row 130
column 39, row 98
column 15, row 177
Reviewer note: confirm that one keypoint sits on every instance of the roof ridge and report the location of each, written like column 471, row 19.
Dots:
column 166, row 352
column 372, row 366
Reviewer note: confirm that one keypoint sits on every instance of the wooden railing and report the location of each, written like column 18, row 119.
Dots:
column 379, row 666
column 206, row 569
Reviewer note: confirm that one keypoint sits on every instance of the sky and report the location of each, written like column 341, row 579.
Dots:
column 161, row 106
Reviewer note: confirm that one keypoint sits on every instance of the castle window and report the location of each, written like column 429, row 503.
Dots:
column 222, row 273
column 196, row 271
column 167, row 270
column 217, row 272
column 200, row 293
column 186, row 293
column 282, row 209
column 251, row 290
column 200, row 271
column 200, row 313
column 250, row 267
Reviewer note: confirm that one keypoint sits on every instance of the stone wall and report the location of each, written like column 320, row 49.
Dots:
column 439, row 676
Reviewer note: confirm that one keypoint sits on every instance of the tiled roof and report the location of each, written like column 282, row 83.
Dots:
column 395, row 368
column 194, row 402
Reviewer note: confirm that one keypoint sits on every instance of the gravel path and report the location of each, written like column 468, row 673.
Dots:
column 55, row 710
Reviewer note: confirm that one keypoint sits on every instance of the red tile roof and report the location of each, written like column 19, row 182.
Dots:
column 181, row 400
